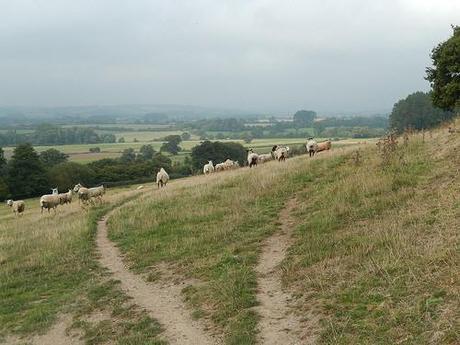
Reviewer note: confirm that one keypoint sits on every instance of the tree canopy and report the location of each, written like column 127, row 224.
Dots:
column 26, row 173
column 304, row 118
column 172, row 144
column 444, row 76
column 217, row 152
column 52, row 157
column 417, row 111
column 146, row 152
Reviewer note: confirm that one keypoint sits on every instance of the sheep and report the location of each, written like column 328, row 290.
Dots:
column 65, row 198
column 50, row 201
column 280, row 153
column 229, row 164
column 253, row 158
column 86, row 194
column 18, row 206
column 208, row 168
column 263, row 158
column 220, row 167
column 311, row 146
column 324, row 146
column 54, row 191
column 314, row 147
column 162, row 178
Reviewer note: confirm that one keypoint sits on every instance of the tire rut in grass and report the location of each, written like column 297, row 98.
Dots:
column 162, row 300
column 278, row 324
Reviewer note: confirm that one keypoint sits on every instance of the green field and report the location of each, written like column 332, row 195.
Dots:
column 80, row 153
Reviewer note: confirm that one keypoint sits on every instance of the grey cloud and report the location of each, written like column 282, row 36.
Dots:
column 261, row 55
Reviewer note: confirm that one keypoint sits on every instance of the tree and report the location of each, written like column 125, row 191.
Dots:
column 146, row 152
column 444, row 76
column 128, row 156
column 121, row 140
column 186, row 136
column 4, row 191
column 172, row 144
column 2, row 161
column 304, row 118
column 26, row 173
column 217, row 152
column 416, row 111
column 52, row 157
column 66, row 175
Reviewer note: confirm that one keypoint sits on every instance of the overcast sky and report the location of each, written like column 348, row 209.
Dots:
column 258, row 55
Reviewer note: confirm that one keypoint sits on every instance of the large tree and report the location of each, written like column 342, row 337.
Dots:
column 172, row 144
column 66, row 175
column 444, row 76
column 26, row 173
column 52, row 157
column 304, row 118
column 217, row 152
column 146, row 152
column 417, row 111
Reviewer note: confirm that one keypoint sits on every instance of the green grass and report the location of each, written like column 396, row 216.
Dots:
column 372, row 250
column 375, row 250
column 80, row 153
column 48, row 267
column 210, row 228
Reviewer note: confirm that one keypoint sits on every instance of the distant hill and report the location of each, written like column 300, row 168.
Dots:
column 112, row 113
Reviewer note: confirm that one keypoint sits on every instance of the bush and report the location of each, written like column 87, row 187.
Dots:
column 217, row 152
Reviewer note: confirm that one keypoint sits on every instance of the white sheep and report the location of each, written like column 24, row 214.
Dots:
column 314, row 147
column 280, row 153
column 266, row 157
column 18, row 206
column 208, row 168
column 66, row 198
column 50, row 201
column 229, row 164
column 253, row 158
column 87, row 194
column 162, row 178
column 220, row 167
column 311, row 146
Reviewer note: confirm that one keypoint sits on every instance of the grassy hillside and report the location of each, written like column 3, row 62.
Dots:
column 48, row 267
column 375, row 253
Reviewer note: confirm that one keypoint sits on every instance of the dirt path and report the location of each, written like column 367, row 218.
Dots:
column 278, row 324
column 162, row 301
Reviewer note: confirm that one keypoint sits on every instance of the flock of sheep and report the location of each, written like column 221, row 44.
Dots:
column 90, row 195
column 278, row 152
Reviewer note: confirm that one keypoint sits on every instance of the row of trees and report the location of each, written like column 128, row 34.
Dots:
column 46, row 134
column 29, row 174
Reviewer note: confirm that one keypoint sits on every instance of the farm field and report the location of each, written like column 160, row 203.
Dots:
column 81, row 154
column 354, row 229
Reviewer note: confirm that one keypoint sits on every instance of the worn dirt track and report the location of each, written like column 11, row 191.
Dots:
column 161, row 300
column 278, row 324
